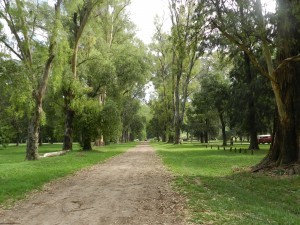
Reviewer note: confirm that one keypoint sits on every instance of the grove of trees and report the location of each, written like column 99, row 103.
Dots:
column 242, row 78
column 71, row 71
column 76, row 71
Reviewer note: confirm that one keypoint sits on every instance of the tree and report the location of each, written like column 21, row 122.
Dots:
column 80, row 17
column 88, row 119
column 163, row 107
column 186, row 38
column 282, row 72
column 22, row 19
column 110, row 122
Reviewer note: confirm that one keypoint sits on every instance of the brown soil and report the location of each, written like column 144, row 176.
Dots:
column 132, row 188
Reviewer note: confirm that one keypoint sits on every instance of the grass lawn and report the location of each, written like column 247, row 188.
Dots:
column 18, row 177
column 221, row 191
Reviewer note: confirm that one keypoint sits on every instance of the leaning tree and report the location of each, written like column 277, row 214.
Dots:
column 282, row 67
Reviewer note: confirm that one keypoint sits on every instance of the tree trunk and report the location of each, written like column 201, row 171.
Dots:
column 285, row 148
column 86, row 143
column 223, row 125
column 34, row 124
column 33, row 133
column 68, row 135
column 251, row 118
column 177, row 118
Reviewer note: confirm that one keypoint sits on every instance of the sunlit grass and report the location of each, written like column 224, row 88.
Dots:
column 221, row 191
column 18, row 177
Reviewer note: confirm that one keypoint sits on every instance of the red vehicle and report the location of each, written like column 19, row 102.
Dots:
column 265, row 138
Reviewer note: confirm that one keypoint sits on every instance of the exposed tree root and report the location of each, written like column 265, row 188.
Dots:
column 272, row 168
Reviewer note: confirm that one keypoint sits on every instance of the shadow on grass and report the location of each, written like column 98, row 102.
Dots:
column 242, row 198
column 220, row 191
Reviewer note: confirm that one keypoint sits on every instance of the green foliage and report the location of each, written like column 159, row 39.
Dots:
column 221, row 191
column 110, row 122
column 262, row 95
column 87, row 119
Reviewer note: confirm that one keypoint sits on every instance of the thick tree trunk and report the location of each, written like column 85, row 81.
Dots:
column 251, row 117
column 177, row 131
column 86, row 143
column 33, row 133
column 171, row 139
column 285, row 149
column 223, row 127
column 68, row 134
column 34, row 124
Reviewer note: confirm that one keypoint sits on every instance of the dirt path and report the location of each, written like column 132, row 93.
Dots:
column 132, row 188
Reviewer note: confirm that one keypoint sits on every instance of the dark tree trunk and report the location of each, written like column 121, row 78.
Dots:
column 206, row 137
column 171, row 139
column 223, row 127
column 206, row 131
column 251, row 118
column 86, row 143
column 68, row 135
column 285, row 149
column 202, row 137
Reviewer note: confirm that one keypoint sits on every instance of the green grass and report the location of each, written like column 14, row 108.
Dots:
column 19, row 177
column 221, row 191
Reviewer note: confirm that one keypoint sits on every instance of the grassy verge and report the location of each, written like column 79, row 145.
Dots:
column 18, row 177
column 220, row 191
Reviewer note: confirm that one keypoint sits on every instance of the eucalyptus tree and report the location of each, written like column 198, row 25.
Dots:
column 187, row 36
column 112, row 65
column 80, row 14
column 163, row 107
column 34, row 30
column 132, row 73
column 281, row 72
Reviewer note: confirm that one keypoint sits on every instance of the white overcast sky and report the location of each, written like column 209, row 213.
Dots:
column 143, row 12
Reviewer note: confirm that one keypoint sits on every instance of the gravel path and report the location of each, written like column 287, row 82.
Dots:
column 132, row 188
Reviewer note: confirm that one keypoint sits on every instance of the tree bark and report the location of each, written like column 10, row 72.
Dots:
column 223, row 125
column 86, row 142
column 285, row 149
column 33, row 133
column 79, row 23
column 68, row 135
column 251, row 117
column 34, row 124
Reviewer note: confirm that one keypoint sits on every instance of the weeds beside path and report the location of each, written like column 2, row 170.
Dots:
column 131, row 188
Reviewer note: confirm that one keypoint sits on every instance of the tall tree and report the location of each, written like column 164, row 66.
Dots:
column 163, row 108
column 80, row 17
column 22, row 18
column 282, row 72
column 186, row 38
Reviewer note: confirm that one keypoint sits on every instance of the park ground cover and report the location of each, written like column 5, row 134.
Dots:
column 19, row 177
column 221, row 190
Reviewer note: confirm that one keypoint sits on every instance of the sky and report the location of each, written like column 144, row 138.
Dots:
column 143, row 12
